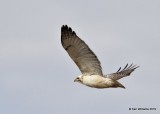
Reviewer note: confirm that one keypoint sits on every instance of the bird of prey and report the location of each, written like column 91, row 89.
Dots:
column 89, row 64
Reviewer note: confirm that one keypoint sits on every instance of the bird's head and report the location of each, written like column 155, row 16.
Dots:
column 79, row 79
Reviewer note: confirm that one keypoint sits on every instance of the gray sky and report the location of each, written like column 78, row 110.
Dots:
column 36, row 75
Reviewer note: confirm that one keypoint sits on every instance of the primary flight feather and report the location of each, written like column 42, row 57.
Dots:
column 89, row 64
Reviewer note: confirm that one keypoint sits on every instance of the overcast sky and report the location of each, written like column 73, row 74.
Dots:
column 36, row 74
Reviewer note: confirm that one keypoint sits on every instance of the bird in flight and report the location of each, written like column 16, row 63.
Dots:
column 89, row 64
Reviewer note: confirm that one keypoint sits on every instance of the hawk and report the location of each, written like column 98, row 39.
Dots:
column 89, row 64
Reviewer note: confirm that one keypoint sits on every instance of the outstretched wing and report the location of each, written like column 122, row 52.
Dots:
column 127, row 70
column 80, row 53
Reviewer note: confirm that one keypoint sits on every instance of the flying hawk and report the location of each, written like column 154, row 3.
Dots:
column 89, row 64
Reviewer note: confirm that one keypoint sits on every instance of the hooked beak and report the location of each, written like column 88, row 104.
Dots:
column 76, row 80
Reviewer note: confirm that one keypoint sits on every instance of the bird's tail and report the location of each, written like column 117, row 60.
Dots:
column 120, row 85
column 117, row 84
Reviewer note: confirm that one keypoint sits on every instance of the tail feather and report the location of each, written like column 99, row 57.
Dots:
column 116, row 84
